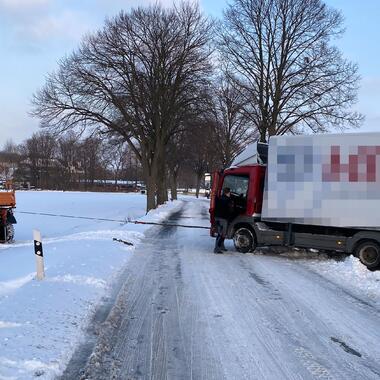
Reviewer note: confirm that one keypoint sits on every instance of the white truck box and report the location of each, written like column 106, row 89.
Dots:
column 328, row 180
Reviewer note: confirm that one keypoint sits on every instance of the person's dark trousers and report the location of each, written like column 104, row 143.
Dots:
column 221, row 227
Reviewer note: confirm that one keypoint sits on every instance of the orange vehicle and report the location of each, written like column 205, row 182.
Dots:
column 7, row 204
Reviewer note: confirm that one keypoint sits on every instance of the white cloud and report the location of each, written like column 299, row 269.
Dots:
column 67, row 24
column 22, row 5
column 31, row 22
column 116, row 5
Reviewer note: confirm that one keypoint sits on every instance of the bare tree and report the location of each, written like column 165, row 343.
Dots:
column 39, row 152
column 177, row 154
column 293, row 78
column 132, row 170
column 9, row 160
column 201, row 149
column 135, row 78
column 233, row 130
column 69, row 158
column 115, row 155
column 90, row 158
column 10, row 147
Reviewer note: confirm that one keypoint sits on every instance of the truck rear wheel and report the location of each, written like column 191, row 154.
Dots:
column 368, row 253
column 244, row 240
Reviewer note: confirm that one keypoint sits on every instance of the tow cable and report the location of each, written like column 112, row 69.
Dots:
column 167, row 224
column 124, row 221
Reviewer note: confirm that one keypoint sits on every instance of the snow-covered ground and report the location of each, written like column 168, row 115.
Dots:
column 347, row 272
column 42, row 321
column 256, row 309
column 350, row 274
column 186, row 313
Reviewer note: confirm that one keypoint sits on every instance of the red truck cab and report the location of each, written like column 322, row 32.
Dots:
column 247, row 187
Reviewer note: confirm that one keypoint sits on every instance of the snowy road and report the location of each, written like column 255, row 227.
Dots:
column 185, row 313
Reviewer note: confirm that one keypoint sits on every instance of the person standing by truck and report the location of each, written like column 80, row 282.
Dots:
column 223, row 213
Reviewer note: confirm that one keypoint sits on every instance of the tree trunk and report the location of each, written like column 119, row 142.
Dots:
column 271, row 130
column 150, row 192
column 173, row 185
column 150, row 176
column 263, row 133
column 162, row 189
column 199, row 178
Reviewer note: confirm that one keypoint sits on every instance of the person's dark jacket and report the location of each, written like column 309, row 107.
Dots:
column 224, row 208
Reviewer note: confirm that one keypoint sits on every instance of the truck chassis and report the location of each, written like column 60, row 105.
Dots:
column 250, row 233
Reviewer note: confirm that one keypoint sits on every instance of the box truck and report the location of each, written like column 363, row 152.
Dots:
column 314, row 191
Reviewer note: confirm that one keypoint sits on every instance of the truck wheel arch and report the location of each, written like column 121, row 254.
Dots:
column 246, row 232
column 360, row 237
column 239, row 222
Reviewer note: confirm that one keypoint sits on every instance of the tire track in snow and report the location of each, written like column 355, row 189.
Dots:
column 184, row 313
column 149, row 313
column 309, row 340
column 14, row 284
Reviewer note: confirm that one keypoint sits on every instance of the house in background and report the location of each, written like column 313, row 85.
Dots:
column 9, row 163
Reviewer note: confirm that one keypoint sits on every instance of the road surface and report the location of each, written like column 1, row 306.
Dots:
column 186, row 313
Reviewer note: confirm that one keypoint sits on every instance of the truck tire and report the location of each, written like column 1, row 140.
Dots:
column 244, row 240
column 368, row 253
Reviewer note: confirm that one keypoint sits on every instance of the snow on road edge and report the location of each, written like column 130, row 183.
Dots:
column 42, row 323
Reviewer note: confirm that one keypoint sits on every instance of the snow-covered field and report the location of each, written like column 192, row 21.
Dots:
column 42, row 321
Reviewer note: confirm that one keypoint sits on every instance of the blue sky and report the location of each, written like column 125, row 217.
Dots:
column 35, row 34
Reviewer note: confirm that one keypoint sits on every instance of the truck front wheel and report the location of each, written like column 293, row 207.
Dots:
column 244, row 240
column 368, row 253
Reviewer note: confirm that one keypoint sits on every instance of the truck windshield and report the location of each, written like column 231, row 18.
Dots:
column 237, row 183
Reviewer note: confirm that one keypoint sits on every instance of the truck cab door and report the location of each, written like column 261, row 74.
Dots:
column 238, row 182
column 214, row 193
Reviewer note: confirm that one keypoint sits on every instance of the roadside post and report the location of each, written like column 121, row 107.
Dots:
column 39, row 254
